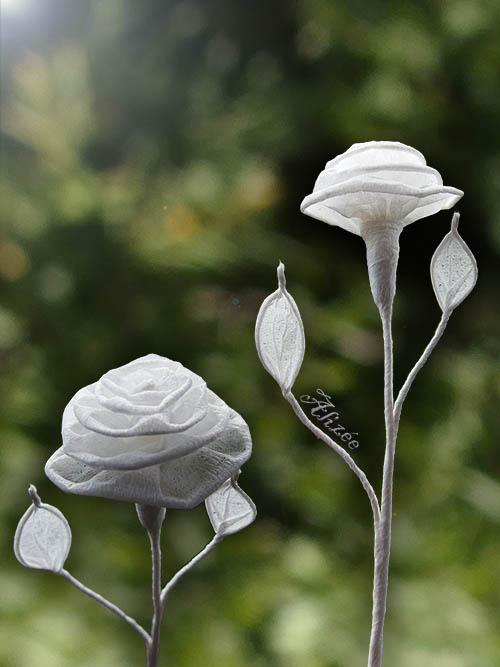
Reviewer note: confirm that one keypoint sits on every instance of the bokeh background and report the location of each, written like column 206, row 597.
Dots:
column 154, row 156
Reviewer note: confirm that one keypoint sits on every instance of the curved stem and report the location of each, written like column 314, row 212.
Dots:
column 204, row 552
column 154, row 645
column 109, row 605
column 414, row 371
column 340, row 451
column 383, row 529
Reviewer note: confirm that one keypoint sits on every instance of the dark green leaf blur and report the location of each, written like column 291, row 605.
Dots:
column 154, row 156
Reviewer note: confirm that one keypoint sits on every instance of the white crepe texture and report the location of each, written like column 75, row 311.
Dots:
column 279, row 335
column 378, row 181
column 43, row 538
column 230, row 509
column 149, row 432
column 453, row 269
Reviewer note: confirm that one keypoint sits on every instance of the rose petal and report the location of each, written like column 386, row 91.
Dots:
column 114, row 409
column 376, row 153
column 116, row 425
column 181, row 483
column 146, row 403
column 131, row 453
column 417, row 177
column 365, row 199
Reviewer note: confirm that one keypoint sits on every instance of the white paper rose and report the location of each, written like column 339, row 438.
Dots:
column 378, row 181
column 374, row 190
column 149, row 432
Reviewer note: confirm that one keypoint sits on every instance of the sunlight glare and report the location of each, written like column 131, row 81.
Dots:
column 14, row 5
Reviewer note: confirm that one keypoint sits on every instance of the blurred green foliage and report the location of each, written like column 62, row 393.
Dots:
column 154, row 155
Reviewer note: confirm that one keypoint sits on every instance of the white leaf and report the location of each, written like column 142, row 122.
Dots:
column 279, row 335
column 43, row 537
column 453, row 269
column 230, row 509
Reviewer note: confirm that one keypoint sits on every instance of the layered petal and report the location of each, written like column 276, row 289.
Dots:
column 377, row 153
column 417, row 177
column 180, row 483
column 358, row 200
column 141, row 414
column 103, row 451
column 378, row 181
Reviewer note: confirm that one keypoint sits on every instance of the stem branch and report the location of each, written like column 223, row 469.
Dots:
column 414, row 371
column 204, row 552
column 340, row 451
column 109, row 605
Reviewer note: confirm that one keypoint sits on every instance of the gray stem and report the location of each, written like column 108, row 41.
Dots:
column 204, row 552
column 109, row 605
column 154, row 533
column 340, row 451
column 398, row 406
column 382, row 254
column 383, row 528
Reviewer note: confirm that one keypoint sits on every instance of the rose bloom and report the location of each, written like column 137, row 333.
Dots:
column 378, row 181
column 149, row 432
column 374, row 190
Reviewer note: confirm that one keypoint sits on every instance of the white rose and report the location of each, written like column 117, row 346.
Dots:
column 374, row 190
column 149, row 432
column 378, row 181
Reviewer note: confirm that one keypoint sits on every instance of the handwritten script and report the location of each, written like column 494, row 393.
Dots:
column 325, row 414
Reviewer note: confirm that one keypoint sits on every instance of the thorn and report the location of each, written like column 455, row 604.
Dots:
column 34, row 495
column 454, row 221
column 281, row 275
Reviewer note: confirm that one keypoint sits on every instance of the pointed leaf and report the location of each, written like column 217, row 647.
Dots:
column 43, row 537
column 453, row 269
column 230, row 509
column 279, row 335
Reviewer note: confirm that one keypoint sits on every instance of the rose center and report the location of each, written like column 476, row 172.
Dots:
column 146, row 385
